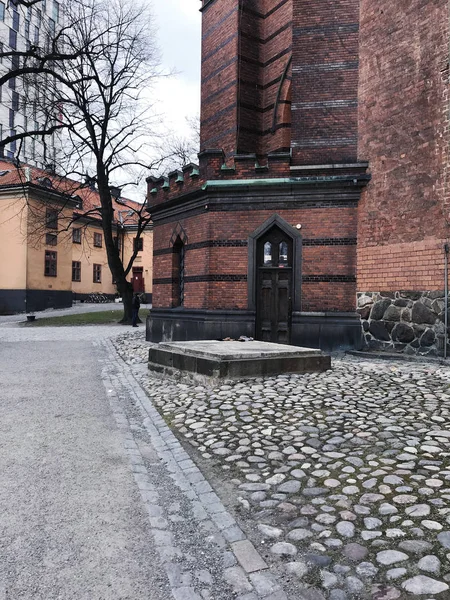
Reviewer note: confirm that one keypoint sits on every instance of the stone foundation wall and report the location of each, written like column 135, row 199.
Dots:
column 409, row 322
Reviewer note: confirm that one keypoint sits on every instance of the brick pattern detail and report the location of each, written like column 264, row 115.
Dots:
column 246, row 53
column 325, row 81
column 279, row 89
column 413, row 266
column 404, row 133
column 216, row 275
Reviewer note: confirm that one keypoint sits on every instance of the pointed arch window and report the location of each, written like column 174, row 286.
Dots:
column 178, row 273
column 268, row 254
column 283, row 254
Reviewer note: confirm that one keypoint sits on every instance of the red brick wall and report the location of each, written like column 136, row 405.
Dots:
column 411, row 266
column 325, row 81
column 317, row 260
column 219, row 75
column 246, row 47
column 403, row 132
column 248, row 83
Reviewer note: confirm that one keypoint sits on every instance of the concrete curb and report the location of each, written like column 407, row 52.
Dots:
column 244, row 570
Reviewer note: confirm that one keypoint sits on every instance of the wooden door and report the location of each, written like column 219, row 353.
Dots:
column 138, row 280
column 274, row 287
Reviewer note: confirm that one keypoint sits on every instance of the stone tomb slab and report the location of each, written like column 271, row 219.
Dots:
column 233, row 360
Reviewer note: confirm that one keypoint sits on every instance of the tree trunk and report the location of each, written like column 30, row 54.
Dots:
column 127, row 297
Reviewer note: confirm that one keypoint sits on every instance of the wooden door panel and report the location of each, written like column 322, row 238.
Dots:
column 274, row 287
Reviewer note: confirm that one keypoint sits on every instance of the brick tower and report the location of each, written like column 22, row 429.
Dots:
column 404, row 214
column 260, row 239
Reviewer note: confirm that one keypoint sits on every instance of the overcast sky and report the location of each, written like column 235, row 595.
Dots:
column 178, row 24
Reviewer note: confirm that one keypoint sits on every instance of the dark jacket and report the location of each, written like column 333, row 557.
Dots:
column 136, row 302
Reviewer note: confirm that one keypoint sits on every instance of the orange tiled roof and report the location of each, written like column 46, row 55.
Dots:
column 10, row 175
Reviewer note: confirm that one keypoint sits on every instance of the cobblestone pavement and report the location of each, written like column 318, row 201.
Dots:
column 204, row 552
column 343, row 477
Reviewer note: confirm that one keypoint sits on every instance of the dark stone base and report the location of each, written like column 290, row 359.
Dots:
column 179, row 325
column 327, row 331
column 43, row 299
column 18, row 301
column 12, row 301
column 233, row 360
column 411, row 322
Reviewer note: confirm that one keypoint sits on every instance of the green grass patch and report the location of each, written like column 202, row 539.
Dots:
column 107, row 317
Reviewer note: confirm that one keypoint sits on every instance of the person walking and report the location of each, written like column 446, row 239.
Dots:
column 136, row 307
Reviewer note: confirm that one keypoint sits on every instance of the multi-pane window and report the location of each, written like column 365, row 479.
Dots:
column 38, row 16
column 12, row 116
column 51, row 218
column 76, row 235
column 51, row 26
column 50, row 264
column 97, row 240
column 15, row 20
column 13, row 39
column 76, row 270
column 97, row 273
column 36, row 35
column 27, row 29
column 13, row 144
column 12, row 83
column 2, row 11
column 56, row 11
column 51, row 239
column 138, row 244
column 14, row 102
column 15, row 62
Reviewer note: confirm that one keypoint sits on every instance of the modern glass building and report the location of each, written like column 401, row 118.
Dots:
column 22, row 28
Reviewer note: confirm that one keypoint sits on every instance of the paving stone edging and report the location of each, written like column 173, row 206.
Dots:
column 244, row 570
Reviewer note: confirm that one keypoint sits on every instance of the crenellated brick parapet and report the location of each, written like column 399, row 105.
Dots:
column 245, row 166
column 212, row 167
column 180, row 181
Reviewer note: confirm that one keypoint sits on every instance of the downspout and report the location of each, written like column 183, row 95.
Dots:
column 28, row 180
column 446, row 251
column 446, row 246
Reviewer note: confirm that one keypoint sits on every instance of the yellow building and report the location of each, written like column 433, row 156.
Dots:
column 52, row 248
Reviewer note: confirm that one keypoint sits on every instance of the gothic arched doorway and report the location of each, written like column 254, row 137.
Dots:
column 274, row 287
column 275, row 250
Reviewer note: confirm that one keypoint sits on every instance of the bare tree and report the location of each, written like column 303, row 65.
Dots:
column 182, row 149
column 92, row 83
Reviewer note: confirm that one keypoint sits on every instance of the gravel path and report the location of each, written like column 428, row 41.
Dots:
column 98, row 500
column 72, row 522
column 345, row 475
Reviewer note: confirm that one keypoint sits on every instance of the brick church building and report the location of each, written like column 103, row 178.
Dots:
column 317, row 215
